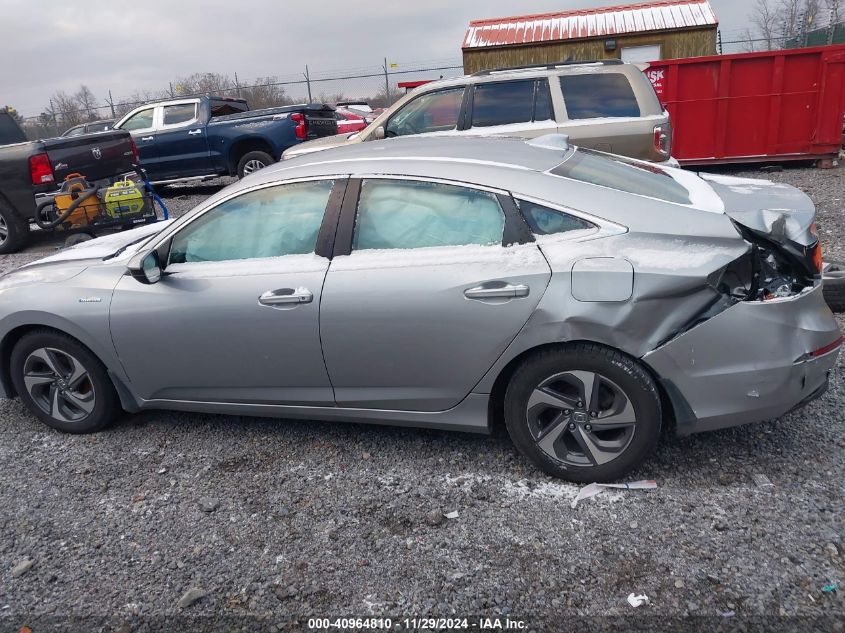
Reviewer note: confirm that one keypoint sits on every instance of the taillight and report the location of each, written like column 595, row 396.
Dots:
column 136, row 157
column 817, row 257
column 300, row 131
column 40, row 169
column 663, row 139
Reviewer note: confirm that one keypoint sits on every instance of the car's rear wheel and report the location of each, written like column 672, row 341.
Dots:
column 14, row 232
column 62, row 383
column 583, row 412
column 251, row 162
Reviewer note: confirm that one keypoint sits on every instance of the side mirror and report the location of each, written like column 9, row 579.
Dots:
column 379, row 133
column 146, row 267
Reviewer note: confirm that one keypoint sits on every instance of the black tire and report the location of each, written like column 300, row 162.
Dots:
column 26, row 357
column 14, row 231
column 621, row 381
column 833, row 288
column 251, row 159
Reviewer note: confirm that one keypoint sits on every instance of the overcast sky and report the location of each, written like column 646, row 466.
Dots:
column 49, row 45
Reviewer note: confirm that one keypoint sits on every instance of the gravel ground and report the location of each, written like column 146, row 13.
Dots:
column 272, row 521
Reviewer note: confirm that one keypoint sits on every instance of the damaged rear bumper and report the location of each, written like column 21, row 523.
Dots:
column 752, row 362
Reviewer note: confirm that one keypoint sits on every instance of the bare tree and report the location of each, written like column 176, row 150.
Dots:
column 138, row 98
column 66, row 109
column 777, row 23
column 765, row 21
column 266, row 93
column 205, row 83
column 87, row 102
column 332, row 98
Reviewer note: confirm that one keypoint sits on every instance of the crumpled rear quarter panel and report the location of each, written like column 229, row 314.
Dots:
column 742, row 365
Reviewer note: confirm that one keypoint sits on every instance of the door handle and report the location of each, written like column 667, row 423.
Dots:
column 147, row 138
column 286, row 296
column 507, row 292
column 192, row 132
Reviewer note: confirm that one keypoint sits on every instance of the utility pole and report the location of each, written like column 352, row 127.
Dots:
column 53, row 116
column 111, row 105
column 237, row 86
column 308, row 83
column 386, row 84
column 171, row 90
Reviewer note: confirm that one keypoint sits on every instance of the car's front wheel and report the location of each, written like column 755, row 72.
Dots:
column 62, row 383
column 583, row 412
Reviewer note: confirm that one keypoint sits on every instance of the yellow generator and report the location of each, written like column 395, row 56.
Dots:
column 124, row 198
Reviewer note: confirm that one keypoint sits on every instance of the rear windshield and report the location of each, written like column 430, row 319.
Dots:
column 616, row 172
column 591, row 96
column 222, row 108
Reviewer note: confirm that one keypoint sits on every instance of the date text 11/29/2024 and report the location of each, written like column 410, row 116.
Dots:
column 417, row 624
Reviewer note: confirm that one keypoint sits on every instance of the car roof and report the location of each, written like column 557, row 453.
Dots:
column 413, row 153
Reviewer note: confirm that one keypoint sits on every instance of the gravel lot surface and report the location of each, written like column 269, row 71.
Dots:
column 281, row 519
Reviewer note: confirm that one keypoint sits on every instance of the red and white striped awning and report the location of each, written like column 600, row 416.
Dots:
column 586, row 23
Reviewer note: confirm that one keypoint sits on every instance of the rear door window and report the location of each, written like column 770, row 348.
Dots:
column 598, row 95
column 414, row 214
column 179, row 114
column 507, row 102
column 503, row 103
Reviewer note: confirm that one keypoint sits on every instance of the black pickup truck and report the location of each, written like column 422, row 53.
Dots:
column 28, row 168
column 203, row 137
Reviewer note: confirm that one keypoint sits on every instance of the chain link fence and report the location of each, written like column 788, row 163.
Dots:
column 378, row 85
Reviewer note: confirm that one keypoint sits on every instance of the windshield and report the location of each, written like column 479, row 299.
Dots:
column 617, row 172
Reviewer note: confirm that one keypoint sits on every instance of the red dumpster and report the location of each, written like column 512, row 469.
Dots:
column 772, row 105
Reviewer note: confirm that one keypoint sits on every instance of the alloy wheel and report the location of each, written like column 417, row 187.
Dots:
column 4, row 230
column 581, row 418
column 59, row 384
column 252, row 166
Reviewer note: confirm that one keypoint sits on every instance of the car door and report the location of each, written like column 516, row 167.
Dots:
column 234, row 317
column 141, row 126
column 428, row 297
column 521, row 107
column 181, row 141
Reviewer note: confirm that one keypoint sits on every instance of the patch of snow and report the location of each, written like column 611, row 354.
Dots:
column 524, row 489
column 734, row 180
column 678, row 254
column 530, row 126
column 510, row 258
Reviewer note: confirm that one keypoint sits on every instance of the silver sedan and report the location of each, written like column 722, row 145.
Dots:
column 584, row 299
